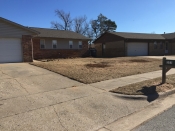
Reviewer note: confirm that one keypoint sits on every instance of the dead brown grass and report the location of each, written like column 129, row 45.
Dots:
column 90, row 70
column 147, row 87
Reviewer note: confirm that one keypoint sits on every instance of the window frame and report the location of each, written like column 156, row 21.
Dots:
column 54, row 44
column 42, row 44
column 161, row 45
column 155, row 45
column 70, row 44
column 80, row 44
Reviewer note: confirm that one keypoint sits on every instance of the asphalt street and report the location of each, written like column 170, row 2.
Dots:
column 162, row 122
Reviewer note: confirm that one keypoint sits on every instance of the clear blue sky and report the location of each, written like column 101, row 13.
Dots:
column 144, row 16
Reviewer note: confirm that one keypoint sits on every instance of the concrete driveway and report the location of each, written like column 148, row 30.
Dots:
column 35, row 99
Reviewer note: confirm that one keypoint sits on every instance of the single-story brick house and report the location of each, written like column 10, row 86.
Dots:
column 23, row 44
column 119, row 44
column 51, row 43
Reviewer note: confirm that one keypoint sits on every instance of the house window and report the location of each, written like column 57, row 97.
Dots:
column 161, row 45
column 54, row 44
column 155, row 45
column 80, row 44
column 42, row 43
column 70, row 44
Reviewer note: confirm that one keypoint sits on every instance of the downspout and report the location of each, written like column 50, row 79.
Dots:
column 102, row 49
column 103, row 54
column 32, row 48
column 148, row 48
column 125, row 47
column 171, row 47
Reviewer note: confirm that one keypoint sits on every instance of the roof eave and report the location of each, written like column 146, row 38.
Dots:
column 18, row 25
column 145, row 38
column 62, row 38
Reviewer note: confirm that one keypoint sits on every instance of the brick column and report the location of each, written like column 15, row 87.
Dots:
column 27, row 48
column 84, row 50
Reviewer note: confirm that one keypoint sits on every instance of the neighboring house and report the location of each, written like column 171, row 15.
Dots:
column 118, row 44
column 51, row 43
column 23, row 44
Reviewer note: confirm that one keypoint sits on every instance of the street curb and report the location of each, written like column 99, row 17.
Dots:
column 134, row 120
column 143, row 97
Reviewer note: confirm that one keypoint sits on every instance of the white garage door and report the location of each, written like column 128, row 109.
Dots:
column 137, row 49
column 10, row 50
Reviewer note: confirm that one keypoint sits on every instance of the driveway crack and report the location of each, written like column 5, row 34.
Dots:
column 4, row 73
column 21, row 86
column 59, row 119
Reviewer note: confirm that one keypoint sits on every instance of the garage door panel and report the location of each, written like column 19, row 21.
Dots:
column 14, row 52
column 10, row 50
column 137, row 49
column 9, row 59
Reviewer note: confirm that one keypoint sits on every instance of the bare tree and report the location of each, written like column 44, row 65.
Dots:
column 80, row 25
column 95, row 28
column 66, row 21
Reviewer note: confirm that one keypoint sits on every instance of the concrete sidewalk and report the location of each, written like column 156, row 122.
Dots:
column 123, row 81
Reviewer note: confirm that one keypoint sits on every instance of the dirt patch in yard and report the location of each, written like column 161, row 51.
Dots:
column 140, row 60
column 90, row 70
column 98, row 65
column 147, row 87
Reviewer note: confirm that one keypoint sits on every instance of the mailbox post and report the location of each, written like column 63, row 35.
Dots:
column 166, row 66
column 163, row 70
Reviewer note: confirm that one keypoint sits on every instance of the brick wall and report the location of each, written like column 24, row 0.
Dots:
column 159, row 51
column 98, row 47
column 58, row 53
column 173, row 47
column 114, row 49
column 27, row 48
column 108, row 37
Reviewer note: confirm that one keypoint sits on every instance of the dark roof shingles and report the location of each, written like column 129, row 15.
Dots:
column 53, row 33
column 139, row 36
column 169, row 36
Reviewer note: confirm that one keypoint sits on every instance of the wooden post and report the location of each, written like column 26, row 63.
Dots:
column 163, row 70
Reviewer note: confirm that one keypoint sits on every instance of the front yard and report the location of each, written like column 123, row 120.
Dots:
column 147, row 87
column 91, row 70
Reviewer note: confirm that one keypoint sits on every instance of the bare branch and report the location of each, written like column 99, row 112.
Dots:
column 65, row 18
column 80, row 25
